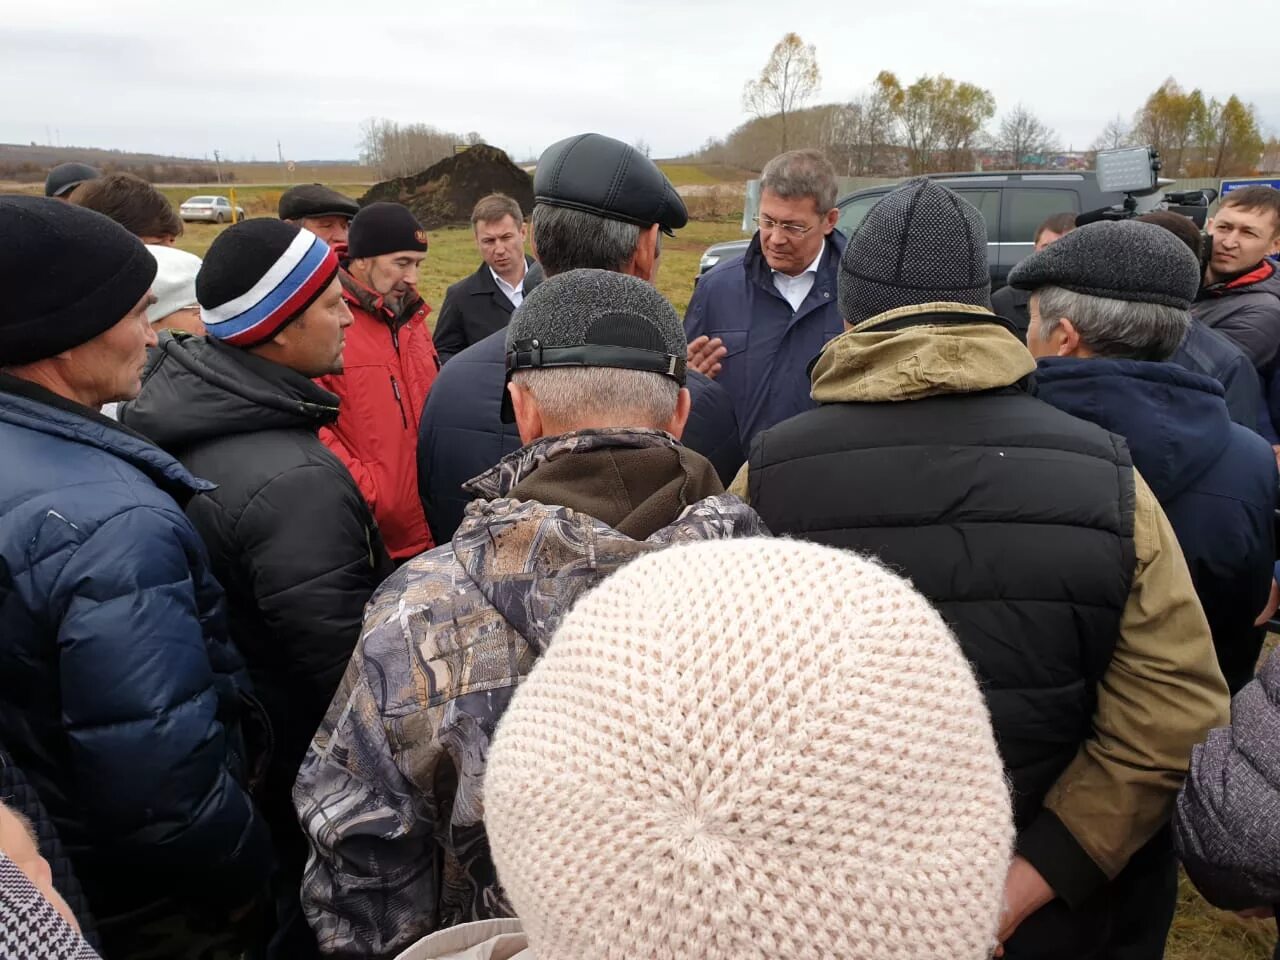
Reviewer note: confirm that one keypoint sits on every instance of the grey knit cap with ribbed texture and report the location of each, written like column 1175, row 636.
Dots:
column 1125, row 260
column 598, row 307
column 920, row 244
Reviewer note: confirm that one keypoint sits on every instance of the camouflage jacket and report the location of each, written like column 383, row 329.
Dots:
column 390, row 792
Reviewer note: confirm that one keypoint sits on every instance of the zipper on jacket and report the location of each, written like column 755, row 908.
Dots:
column 395, row 388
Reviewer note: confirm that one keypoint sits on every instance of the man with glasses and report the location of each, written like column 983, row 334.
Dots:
column 755, row 323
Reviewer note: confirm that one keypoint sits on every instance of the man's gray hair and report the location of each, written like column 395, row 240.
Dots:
column 574, row 239
column 1122, row 329
column 621, row 398
column 801, row 173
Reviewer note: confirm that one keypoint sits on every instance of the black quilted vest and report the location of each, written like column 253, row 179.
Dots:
column 1013, row 518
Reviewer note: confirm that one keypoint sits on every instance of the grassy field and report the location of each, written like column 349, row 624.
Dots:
column 452, row 254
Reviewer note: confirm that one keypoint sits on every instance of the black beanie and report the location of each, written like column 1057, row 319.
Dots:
column 258, row 277
column 68, row 275
column 382, row 228
column 920, row 244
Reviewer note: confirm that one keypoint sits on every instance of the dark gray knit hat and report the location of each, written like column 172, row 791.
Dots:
column 920, row 244
column 596, row 318
column 1118, row 260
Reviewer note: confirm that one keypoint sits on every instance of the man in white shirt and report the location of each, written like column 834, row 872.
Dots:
column 482, row 303
column 756, row 322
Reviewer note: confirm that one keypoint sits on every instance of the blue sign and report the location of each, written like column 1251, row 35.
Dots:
column 1228, row 185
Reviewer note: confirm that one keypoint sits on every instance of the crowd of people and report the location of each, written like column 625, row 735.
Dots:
column 858, row 613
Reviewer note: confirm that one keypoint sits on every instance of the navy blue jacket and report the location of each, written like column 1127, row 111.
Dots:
column 1215, row 480
column 461, row 433
column 766, row 370
column 120, row 691
column 1208, row 352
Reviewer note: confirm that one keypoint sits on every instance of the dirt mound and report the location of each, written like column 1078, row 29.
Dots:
column 444, row 194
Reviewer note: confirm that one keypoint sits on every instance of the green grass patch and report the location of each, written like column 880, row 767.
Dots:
column 703, row 174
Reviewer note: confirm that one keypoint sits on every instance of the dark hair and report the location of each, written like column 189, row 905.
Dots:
column 1184, row 228
column 493, row 208
column 131, row 202
column 1059, row 223
column 1266, row 199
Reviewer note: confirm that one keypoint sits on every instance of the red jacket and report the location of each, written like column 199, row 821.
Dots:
column 389, row 364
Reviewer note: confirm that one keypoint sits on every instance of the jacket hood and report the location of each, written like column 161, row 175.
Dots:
column 196, row 389
column 1175, row 421
column 531, row 560
column 921, row 360
column 28, row 405
column 481, row 940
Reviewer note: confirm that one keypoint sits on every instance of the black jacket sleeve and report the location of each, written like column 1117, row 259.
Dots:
column 450, row 334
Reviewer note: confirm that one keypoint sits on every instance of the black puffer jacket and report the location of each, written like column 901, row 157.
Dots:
column 290, row 538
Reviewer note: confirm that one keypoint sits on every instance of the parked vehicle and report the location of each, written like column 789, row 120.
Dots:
column 210, row 209
column 1013, row 204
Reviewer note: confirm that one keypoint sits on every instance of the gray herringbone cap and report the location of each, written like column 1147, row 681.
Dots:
column 920, row 244
column 598, row 307
column 1124, row 260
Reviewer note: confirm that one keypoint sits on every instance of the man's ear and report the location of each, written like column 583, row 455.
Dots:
column 528, row 416
column 645, row 262
column 830, row 220
column 1069, row 341
column 679, row 419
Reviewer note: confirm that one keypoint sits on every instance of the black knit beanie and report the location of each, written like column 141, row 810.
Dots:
column 382, row 228
column 258, row 277
column 68, row 275
column 920, row 244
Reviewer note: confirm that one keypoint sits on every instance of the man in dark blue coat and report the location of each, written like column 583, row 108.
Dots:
column 1102, row 356
column 120, row 692
column 582, row 219
column 757, row 322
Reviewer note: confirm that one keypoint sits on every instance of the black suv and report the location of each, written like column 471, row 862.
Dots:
column 1013, row 204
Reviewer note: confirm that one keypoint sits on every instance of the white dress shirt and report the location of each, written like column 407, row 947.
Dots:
column 795, row 289
column 514, row 294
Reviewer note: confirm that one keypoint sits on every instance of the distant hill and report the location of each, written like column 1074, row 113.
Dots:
column 29, row 164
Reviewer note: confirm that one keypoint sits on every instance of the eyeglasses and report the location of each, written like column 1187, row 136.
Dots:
column 794, row 229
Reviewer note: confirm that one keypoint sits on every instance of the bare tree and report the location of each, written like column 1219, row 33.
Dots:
column 398, row 151
column 1022, row 135
column 787, row 81
column 1114, row 135
column 642, row 145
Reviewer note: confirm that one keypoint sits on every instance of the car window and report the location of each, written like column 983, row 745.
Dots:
column 200, row 200
column 224, row 202
column 1030, row 208
column 854, row 211
column 988, row 204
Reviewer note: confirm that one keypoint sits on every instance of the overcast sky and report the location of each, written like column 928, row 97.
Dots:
column 149, row 76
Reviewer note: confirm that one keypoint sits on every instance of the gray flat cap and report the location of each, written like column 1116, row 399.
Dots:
column 1117, row 260
column 595, row 318
column 65, row 177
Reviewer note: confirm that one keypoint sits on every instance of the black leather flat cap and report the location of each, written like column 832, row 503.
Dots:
column 600, row 175
column 315, row 200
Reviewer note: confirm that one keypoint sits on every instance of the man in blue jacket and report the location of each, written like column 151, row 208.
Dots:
column 757, row 322
column 1110, row 306
column 120, row 691
column 598, row 204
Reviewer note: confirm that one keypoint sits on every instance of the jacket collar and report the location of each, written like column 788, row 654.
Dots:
column 29, row 405
column 1263, row 271
column 924, row 359
column 511, row 469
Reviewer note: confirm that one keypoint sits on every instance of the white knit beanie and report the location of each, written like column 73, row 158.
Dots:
column 751, row 748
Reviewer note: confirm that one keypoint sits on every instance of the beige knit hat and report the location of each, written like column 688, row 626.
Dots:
column 751, row 748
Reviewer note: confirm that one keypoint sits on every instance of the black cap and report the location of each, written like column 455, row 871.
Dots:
column 65, row 177
column 595, row 318
column 73, row 275
column 1124, row 260
column 600, row 175
column 382, row 228
column 315, row 200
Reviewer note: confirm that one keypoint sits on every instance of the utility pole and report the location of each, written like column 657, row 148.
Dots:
column 217, row 165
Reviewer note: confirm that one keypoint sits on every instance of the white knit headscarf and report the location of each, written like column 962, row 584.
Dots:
column 751, row 748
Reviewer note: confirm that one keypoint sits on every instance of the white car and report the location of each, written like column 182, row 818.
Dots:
column 210, row 210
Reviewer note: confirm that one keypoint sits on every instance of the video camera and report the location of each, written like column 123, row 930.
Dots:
column 1135, row 172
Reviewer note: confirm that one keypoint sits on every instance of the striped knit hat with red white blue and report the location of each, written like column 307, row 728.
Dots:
column 258, row 277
